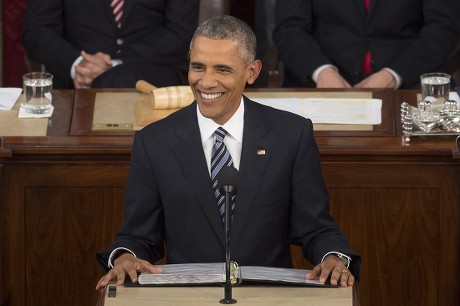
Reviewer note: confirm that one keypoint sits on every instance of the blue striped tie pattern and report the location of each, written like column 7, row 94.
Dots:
column 220, row 158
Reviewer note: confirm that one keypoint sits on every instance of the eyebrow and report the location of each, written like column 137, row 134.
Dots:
column 196, row 64
column 225, row 67
column 218, row 66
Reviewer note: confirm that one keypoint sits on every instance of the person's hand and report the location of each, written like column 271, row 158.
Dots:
column 335, row 267
column 330, row 78
column 90, row 68
column 124, row 265
column 381, row 79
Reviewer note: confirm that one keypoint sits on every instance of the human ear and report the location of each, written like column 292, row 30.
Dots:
column 254, row 70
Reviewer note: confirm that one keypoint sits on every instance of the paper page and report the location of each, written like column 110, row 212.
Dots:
column 191, row 273
column 331, row 110
column 8, row 97
column 208, row 273
column 285, row 275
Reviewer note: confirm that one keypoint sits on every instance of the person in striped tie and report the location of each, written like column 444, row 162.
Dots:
column 281, row 199
column 364, row 43
column 111, row 43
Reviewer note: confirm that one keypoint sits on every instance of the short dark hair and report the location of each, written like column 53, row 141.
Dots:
column 232, row 28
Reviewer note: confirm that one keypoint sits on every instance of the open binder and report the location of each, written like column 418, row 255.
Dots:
column 192, row 274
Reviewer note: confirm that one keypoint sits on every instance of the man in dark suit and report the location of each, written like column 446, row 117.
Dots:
column 81, row 44
column 328, row 41
column 281, row 197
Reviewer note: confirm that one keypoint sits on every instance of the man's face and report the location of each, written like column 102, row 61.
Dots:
column 217, row 75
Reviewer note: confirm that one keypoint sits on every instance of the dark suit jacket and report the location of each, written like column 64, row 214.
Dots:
column 281, row 197
column 409, row 36
column 153, row 31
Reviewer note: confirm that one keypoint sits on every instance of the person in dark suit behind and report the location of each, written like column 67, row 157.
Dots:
column 328, row 41
column 281, row 196
column 80, row 43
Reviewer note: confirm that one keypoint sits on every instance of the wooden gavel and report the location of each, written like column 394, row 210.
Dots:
column 167, row 97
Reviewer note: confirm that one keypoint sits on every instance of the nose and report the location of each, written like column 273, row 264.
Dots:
column 208, row 80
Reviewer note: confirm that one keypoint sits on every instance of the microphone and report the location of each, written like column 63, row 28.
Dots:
column 227, row 181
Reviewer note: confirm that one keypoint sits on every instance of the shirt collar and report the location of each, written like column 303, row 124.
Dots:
column 234, row 126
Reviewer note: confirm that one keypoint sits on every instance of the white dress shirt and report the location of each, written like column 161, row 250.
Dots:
column 233, row 141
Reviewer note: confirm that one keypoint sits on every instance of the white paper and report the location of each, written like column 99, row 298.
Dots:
column 284, row 275
column 331, row 110
column 454, row 96
column 8, row 97
column 24, row 114
column 206, row 273
column 196, row 273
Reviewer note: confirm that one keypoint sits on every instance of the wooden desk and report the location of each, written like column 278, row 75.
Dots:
column 245, row 295
column 61, row 200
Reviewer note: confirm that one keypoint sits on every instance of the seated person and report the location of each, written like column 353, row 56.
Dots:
column 348, row 43
column 82, row 45
column 281, row 199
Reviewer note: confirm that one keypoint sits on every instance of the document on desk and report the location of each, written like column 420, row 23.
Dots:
column 8, row 97
column 214, row 273
column 331, row 110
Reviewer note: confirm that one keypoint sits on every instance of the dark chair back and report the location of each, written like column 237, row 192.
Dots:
column 272, row 71
column 210, row 8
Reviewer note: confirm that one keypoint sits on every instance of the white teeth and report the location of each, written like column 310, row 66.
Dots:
column 210, row 96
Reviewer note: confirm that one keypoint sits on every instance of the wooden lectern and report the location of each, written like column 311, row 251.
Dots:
column 245, row 295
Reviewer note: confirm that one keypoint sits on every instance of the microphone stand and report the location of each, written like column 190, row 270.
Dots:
column 229, row 191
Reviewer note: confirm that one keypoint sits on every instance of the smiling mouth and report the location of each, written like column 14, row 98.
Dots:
column 211, row 96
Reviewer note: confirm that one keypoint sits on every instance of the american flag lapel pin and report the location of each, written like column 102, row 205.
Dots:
column 260, row 152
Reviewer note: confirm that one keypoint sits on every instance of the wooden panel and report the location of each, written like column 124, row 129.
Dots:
column 396, row 231
column 64, row 228
column 55, row 217
column 403, row 220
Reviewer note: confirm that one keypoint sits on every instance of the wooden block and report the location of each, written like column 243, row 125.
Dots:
column 146, row 115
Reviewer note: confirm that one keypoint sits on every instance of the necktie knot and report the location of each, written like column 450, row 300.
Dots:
column 220, row 134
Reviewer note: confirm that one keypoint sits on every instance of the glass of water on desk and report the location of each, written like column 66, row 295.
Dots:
column 435, row 87
column 37, row 92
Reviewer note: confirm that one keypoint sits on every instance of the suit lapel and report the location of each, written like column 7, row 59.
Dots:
column 371, row 8
column 105, row 4
column 128, row 6
column 361, row 8
column 190, row 156
column 255, row 155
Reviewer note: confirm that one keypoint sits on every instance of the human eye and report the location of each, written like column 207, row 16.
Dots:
column 197, row 67
column 224, row 69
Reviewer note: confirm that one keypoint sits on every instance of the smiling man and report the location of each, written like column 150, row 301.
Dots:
column 171, row 200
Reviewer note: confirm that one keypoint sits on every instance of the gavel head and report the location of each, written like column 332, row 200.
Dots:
column 172, row 97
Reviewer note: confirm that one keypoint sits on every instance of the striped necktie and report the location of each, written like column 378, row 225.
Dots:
column 220, row 158
column 117, row 9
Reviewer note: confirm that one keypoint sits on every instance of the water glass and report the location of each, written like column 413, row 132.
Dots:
column 37, row 92
column 435, row 87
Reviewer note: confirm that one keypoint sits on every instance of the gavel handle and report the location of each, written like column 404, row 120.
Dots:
column 144, row 86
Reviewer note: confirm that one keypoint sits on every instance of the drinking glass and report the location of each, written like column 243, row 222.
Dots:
column 37, row 92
